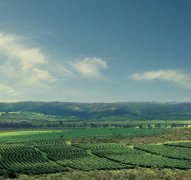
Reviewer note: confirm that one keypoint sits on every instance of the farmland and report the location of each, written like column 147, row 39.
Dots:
column 80, row 133
column 84, row 141
column 29, row 152
column 136, row 157
column 167, row 151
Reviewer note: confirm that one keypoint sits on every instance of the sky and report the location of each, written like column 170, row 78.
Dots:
column 95, row 50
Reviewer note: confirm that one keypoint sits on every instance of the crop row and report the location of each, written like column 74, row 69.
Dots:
column 55, row 156
column 78, row 158
column 179, row 144
column 139, row 158
column 37, row 168
column 167, row 151
column 61, row 152
column 101, row 146
column 92, row 162
column 23, row 159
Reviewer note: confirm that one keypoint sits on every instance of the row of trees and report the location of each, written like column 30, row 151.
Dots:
column 62, row 124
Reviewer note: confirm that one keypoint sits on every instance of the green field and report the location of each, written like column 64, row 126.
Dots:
column 28, row 135
column 180, row 144
column 132, row 156
column 50, row 156
column 40, row 152
column 80, row 133
column 167, row 151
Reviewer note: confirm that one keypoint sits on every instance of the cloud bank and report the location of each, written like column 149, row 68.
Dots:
column 174, row 76
column 21, row 62
column 27, row 69
column 7, row 89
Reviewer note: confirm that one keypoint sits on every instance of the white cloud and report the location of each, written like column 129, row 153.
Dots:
column 11, row 47
column 175, row 76
column 7, row 89
column 90, row 67
column 25, row 71
column 38, row 75
column 22, row 62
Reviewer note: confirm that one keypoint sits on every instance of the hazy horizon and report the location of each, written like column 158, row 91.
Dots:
column 97, row 102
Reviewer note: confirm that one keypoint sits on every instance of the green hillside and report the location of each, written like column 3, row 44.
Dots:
column 85, row 111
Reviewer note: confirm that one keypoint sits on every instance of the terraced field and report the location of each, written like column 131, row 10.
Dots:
column 135, row 157
column 76, row 158
column 180, row 144
column 49, row 156
column 22, row 158
column 167, row 151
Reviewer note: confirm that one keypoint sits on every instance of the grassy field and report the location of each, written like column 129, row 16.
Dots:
column 11, row 136
column 72, row 134
column 137, row 173
column 21, row 133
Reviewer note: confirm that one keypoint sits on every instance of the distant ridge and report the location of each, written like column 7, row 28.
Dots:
column 131, row 110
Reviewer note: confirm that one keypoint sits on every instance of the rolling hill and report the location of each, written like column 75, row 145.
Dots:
column 128, row 110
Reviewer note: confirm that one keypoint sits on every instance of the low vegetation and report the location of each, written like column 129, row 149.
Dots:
column 57, row 155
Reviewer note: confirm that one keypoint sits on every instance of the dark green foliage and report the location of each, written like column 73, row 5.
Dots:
column 92, row 162
column 180, row 144
column 50, row 156
column 22, row 158
column 136, row 157
column 167, row 151
column 61, row 151
column 11, row 174
column 77, row 158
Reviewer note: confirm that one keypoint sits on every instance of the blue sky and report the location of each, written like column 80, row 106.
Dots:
column 95, row 50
